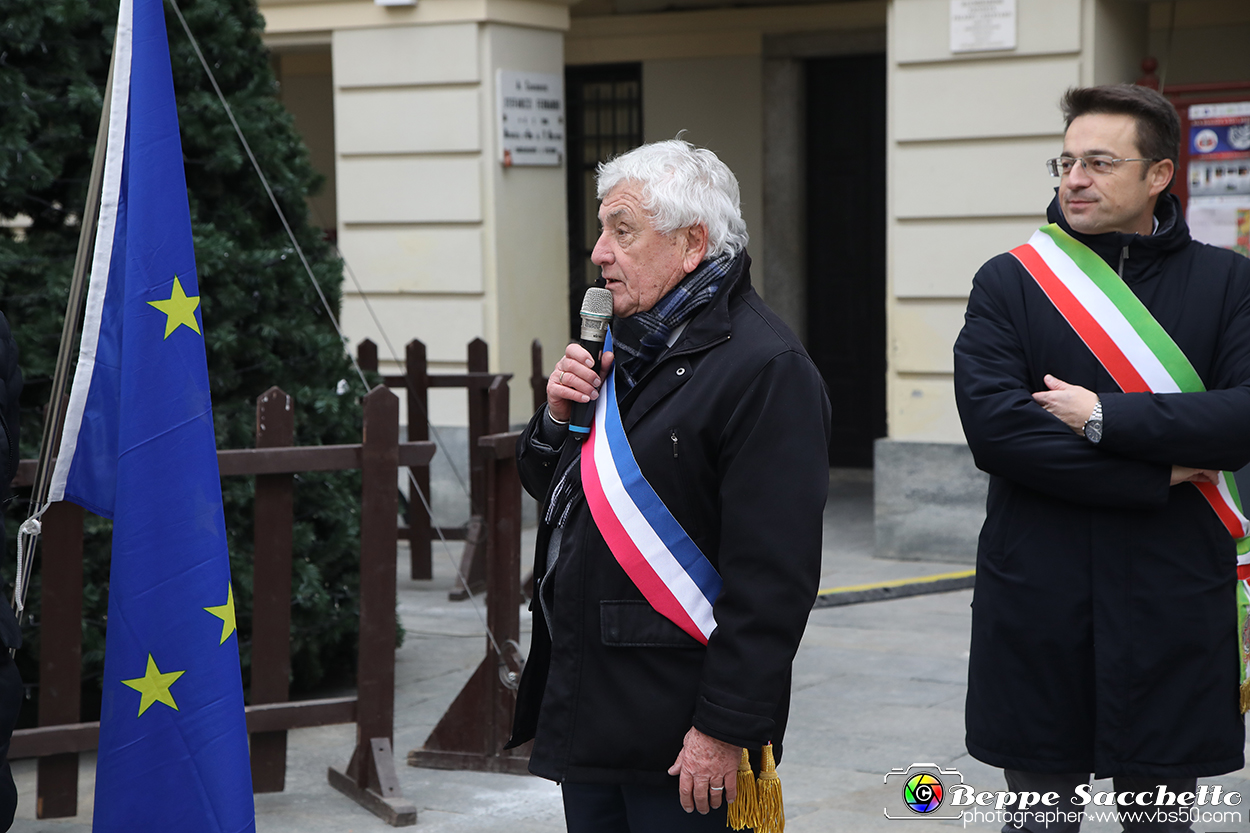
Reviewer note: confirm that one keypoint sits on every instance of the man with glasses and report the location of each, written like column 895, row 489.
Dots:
column 1103, row 381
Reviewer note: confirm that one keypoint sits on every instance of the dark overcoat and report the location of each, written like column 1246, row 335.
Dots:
column 1104, row 617
column 731, row 429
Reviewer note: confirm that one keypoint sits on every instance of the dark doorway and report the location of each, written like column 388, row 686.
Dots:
column 604, row 120
column 845, row 109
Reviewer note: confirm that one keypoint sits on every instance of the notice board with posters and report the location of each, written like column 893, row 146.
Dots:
column 1218, row 175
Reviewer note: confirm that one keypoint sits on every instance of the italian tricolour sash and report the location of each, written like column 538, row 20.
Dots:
column 1140, row 356
column 659, row 557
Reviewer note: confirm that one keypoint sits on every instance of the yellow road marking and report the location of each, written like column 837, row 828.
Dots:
column 897, row 582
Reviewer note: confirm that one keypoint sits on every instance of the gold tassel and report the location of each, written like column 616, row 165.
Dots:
column 742, row 810
column 1245, row 696
column 770, row 809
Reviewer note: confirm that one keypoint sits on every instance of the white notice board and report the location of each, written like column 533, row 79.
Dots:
column 983, row 25
column 531, row 117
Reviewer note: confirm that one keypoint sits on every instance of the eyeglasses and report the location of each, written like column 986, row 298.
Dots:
column 1096, row 165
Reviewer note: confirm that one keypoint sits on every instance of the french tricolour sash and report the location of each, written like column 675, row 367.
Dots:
column 1127, row 340
column 644, row 537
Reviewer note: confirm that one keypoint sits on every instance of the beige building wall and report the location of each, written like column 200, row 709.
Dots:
column 968, row 134
column 526, row 230
column 449, row 245
column 445, row 243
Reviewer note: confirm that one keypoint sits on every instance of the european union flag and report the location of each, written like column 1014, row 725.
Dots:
column 138, row 446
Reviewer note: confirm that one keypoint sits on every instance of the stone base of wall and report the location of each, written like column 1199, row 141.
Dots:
column 928, row 501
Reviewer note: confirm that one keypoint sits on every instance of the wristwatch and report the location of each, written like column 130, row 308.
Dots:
column 1093, row 425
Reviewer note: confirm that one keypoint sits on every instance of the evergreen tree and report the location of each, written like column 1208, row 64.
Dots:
column 263, row 321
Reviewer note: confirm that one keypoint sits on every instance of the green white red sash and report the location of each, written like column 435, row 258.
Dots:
column 1133, row 347
column 1141, row 357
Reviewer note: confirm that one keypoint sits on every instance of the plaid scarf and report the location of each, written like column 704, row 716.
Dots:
column 637, row 341
column 640, row 339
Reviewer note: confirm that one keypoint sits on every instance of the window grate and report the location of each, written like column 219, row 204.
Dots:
column 604, row 107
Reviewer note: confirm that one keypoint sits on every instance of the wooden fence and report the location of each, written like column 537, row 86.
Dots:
column 417, row 381
column 369, row 777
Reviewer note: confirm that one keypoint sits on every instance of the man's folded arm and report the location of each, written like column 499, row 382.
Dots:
column 1012, row 436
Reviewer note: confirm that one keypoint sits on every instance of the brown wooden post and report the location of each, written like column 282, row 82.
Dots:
column 60, row 654
column 419, row 521
column 503, row 576
column 370, row 778
column 479, row 362
column 367, row 355
column 538, row 386
column 496, row 411
column 271, row 595
column 538, row 374
column 472, row 734
column 472, row 577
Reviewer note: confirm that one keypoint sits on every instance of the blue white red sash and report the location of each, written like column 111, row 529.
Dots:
column 644, row 537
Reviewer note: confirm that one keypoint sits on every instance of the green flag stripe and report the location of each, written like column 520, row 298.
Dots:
column 1139, row 318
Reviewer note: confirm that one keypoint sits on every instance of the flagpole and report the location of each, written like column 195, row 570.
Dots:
column 54, row 417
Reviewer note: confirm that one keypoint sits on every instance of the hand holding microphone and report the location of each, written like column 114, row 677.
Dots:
column 574, row 384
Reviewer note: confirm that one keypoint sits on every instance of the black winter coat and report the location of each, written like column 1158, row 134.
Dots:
column 1104, row 616
column 731, row 429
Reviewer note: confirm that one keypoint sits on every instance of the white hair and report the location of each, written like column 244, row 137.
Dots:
column 682, row 185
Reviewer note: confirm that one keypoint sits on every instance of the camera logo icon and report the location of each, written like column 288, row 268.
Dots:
column 923, row 793
column 922, row 788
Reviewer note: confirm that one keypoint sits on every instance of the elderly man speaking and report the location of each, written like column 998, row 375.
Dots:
column 679, row 546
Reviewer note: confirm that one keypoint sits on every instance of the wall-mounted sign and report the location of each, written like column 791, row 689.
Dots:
column 1219, row 175
column 531, row 118
column 983, row 25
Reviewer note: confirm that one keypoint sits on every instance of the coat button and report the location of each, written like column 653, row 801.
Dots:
column 681, row 371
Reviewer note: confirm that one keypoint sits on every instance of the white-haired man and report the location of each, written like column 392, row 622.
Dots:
column 660, row 650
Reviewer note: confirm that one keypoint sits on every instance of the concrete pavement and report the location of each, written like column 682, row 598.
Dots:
column 877, row 686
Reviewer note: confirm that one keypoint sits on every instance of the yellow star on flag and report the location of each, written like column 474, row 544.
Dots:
column 226, row 614
column 179, row 309
column 154, row 686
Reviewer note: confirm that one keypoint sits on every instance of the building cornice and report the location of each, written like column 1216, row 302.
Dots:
column 290, row 22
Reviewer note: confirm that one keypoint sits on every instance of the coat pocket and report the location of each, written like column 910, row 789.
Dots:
column 628, row 623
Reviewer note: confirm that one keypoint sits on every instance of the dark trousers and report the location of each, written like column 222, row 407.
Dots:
column 1066, row 783
column 634, row 808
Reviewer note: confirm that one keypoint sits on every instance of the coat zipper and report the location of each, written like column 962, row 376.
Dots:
column 673, row 434
column 1123, row 257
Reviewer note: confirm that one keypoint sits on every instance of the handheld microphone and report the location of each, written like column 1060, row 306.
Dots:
column 596, row 316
